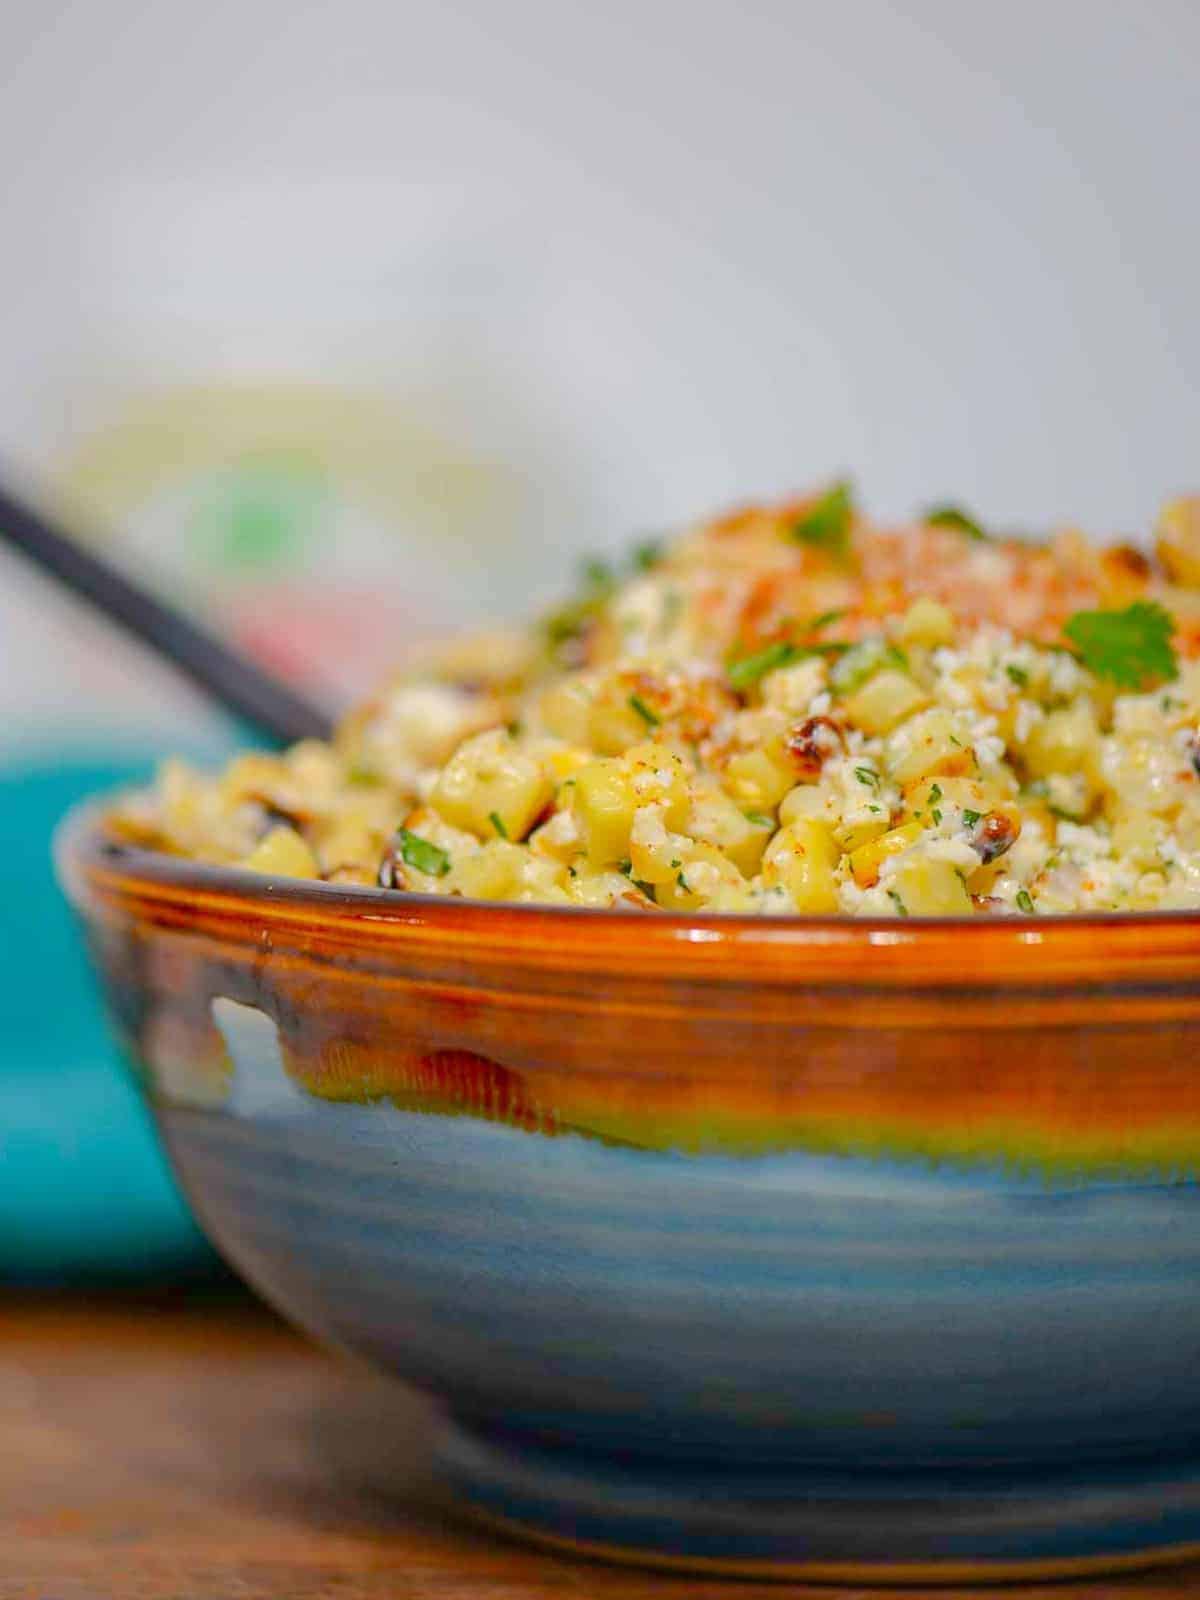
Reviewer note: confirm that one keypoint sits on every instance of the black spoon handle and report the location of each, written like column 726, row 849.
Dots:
column 231, row 680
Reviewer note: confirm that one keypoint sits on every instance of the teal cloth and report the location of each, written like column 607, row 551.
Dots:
column 84, row 1191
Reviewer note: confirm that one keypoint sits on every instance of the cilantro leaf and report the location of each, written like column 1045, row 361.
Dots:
column 497, row 822
column 954, row 517
column 815, row 624
column 760, row 819
column 598, row 576
column 423, row 854
column 746, row 670
column 649, row 717
column 646, row 554
column 1132, row 647
column 862, row 661
column 826, row 523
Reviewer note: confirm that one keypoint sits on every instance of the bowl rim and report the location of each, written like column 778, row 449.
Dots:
column 94, row 862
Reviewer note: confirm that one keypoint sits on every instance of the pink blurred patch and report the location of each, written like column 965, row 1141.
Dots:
column 337, row 641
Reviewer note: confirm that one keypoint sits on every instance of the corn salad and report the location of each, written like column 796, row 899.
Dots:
column 787, row 710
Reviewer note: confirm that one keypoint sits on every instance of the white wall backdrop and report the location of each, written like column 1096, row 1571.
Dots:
column 641, row 258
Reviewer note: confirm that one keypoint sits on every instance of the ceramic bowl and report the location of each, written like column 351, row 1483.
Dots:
column 827, row 1249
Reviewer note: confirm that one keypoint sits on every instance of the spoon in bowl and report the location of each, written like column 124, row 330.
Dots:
column 230, row 679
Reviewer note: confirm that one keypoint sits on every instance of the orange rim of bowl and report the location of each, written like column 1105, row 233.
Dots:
column 1113, row 950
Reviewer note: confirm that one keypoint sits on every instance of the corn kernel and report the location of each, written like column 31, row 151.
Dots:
column 803, row 858
column 283, row 854
column 866, row 861
column 883, row 701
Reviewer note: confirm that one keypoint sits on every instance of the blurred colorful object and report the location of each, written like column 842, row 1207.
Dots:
column 84, row 1192
column 329, row 456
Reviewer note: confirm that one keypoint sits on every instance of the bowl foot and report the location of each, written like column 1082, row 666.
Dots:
column 821, row 1528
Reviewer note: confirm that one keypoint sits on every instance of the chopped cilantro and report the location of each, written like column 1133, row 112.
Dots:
column 1025, row 902
column 647, row 554
column 937, row 817
column 683, row 883
column 935, row 793
column 955, row 517
column 422, row 854
column 625, row 867
column 676, row 863
column 824, row 619
column 956, row 742
column 1018, row 675
column 649, row 717
column 598, row 575
column 569, row 622
column 876, row 809
column 971, row 818
column 1132, row 647
column 747, row 670
column 759, row 819
column 863, row 661
column 497, row 822
column 826, row 523
column 901, row 908
column 868, row 776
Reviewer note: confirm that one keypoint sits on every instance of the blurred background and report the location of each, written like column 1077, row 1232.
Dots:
column 347, row 324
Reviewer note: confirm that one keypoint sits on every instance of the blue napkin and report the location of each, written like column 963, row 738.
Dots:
column 84, row 1191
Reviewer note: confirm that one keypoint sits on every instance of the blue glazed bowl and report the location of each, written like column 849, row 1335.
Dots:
column 832, row 1250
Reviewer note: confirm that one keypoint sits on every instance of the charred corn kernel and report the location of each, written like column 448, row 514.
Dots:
column 283, row 854
column 866, row 861
column 604, row 803
column 927, row 622
column 488, row 778
column 883, row 701
column 928, row 887
column 803, row 858
column 757, row 779
column 932, row 742
column 1177, row 540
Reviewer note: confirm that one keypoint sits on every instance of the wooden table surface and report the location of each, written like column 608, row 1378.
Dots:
column 195, row 1449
